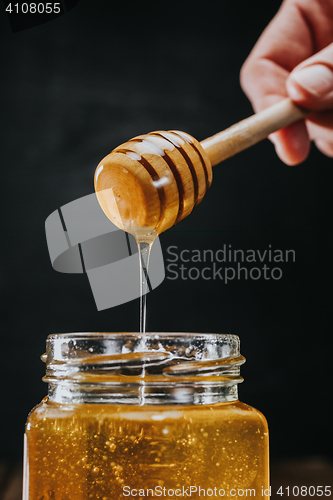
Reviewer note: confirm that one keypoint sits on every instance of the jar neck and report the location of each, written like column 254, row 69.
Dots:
column 154, row 369
column 145, row 394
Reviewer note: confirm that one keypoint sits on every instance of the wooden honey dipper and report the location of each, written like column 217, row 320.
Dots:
column 155, row 180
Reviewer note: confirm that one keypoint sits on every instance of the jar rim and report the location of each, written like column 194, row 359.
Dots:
column 195, row 366
column 138, row 335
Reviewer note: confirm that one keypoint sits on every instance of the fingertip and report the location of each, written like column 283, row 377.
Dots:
column 292, row 144
column 282, row 153
column 296, row 92
column 325, row 147
column 311, row 87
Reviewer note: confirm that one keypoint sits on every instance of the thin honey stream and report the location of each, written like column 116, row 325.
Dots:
column 145, row 237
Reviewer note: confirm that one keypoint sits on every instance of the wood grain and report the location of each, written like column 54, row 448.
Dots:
column 252, row 130
column 155, row 180
column 11, row 479
column 315, row 471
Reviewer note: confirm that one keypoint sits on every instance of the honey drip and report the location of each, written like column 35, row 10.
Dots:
column 145, row 237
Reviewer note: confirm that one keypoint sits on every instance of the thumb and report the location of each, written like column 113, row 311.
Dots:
column 310, row 84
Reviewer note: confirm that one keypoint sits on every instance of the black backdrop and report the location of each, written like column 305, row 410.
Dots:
column 74, row 88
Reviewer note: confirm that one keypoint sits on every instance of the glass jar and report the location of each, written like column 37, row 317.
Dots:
column 155, row 415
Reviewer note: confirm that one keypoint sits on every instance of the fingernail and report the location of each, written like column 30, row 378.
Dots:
column 316, row 79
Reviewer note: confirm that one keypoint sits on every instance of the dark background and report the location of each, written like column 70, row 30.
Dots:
column 74, row 88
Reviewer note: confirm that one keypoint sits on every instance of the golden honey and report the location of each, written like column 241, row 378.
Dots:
column 146, row 449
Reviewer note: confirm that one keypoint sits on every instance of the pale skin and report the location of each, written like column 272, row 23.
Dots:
column 294, row 58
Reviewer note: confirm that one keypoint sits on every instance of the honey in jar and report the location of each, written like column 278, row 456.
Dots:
column 156, row 415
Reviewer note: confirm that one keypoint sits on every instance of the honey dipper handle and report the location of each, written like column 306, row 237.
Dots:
column 254, row 129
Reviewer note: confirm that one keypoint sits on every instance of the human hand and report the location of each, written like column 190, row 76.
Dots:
column 294, row 57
